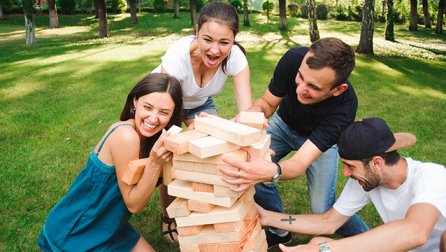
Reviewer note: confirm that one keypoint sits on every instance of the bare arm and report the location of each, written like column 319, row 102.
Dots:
column 242, row 90
column 403, row 235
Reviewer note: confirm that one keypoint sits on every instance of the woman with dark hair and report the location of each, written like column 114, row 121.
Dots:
column 95, row 212
column 203, row 61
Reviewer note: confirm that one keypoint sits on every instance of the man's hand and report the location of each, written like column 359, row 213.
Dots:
column 256, row 171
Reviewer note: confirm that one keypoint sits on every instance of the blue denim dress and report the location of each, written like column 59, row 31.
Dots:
column 93, row 215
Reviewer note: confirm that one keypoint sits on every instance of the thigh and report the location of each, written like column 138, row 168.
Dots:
column 143, row 246
column 281, row 137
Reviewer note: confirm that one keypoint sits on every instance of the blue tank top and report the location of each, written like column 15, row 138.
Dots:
column 93, row 215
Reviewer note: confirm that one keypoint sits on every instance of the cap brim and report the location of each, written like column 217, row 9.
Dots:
column 402, row 140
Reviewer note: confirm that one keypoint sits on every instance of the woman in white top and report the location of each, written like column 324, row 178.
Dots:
column 202, row 62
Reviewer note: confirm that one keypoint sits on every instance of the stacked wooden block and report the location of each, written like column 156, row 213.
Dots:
column 209, row 215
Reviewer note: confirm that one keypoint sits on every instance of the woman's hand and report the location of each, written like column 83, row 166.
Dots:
column 159, row 155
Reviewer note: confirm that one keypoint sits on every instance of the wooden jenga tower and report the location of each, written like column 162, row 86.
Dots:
column 210, row 216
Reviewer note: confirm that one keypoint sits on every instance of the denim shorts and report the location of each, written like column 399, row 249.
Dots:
column 207, row 107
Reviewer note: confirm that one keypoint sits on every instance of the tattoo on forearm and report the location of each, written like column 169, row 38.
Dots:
column 290, row 220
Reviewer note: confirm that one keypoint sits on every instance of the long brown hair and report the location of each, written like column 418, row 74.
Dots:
column 155, row 82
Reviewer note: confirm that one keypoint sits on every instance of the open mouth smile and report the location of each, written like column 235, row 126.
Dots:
column 149, row 126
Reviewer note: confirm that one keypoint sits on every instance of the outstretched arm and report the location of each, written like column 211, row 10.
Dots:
column 242, row 90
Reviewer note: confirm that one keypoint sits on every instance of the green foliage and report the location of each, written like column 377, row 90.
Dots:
column 237, row 4
column 293, row 9
column 265, row 5
column 354, row 15
column 321, row 11
column 340, row 13
column 118, row 6
column 257, row 5
column 304, row 10
column 87, row 4
column 159, row 5
column 7, row 5
column 200, row 5
column 67, row 6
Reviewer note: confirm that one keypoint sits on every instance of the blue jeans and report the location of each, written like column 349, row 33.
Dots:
column 207, row 107
column 321, row 178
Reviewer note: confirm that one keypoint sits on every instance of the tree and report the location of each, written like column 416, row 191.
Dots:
column 283, row 25
column 133, row 17
column 1, row 11
column 52, row 13
column 102, row 14
column 177, row 9
column 413, row 16
column 96, row 9
column 427, row 20
column 366, row 39
column 245, row 13
column 29, row 22
column 193, row 11
column 312, row 20
column 441, row 7
column 390, row 21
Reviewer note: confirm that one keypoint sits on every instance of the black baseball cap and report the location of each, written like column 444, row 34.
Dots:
column 371, row 137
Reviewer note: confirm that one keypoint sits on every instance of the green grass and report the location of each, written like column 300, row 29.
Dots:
column 57, row 99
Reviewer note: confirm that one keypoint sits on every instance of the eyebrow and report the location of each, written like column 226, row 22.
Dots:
column 164, row 109
column 213, row 38
column 310, row 84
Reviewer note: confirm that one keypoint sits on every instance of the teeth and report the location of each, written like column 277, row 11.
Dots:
column 149, row 126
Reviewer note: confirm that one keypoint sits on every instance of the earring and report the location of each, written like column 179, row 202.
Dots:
column 134, row 109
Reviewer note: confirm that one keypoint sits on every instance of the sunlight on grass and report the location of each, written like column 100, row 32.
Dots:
column 378, row 67
column 19, row 89
column 421, row 92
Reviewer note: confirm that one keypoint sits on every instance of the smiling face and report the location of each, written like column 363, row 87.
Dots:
column 356, row 170
column 153, row 112
column 215, row 41
column 314, row 85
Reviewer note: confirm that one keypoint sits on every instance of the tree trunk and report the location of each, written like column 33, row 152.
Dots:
column 1, row 12
column 177, row 9
column 384, row 8
column 102, row 14
column 96, row 9
column 133, row 17
column 366, row 40
column 245, row 13
column 29, row 22
column 283, row 25
column 193, row 12
column 390, row 21
column 439, row 27
column 267, row 11
column 52, row 13
column 312, row 20
column 229, row 1
column 413, row 16
column 427, row 20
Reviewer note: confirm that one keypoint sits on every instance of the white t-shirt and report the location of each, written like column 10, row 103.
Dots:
column 425, row 183
column 177, row 63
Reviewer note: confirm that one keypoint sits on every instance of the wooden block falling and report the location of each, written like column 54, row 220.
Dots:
column 179, row 143
column 199, row 206
column 183, row 189
column 210, row 146
column 189, row 248
column 208, row 235
column 191, row 230
column 178, row 208
column 252, row 119
column 218, row 215
column 209, row 247
column 228, row 226
column 199, row 177
column 239, row 155
column 229, row 131
column 134, row 171
column 201, row 187
column 263, row 145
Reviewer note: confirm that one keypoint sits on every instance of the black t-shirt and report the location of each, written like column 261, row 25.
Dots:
column 323, row 122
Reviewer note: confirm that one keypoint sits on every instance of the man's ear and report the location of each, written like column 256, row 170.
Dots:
column 340, row 89
column 377, row 164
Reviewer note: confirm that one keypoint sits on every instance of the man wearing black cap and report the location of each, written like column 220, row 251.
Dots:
column 409, row 195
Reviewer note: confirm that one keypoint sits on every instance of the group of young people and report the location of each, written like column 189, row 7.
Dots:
column 317, row 107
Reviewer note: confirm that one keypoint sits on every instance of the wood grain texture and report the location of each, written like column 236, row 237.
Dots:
column 199, row 177
column 179, row 143
column 252, row 119
column 189, row 248
column 134, row 171
column 167, row 172
column 201, row 187
column 191, row 230
column 229, row 131
column 210, row 146
column 209, row 236
column 199, row 206
column 239, row 155
column 263, row 145
column 178, row 208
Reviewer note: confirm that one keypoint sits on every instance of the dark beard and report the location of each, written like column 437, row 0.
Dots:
column 372, row 179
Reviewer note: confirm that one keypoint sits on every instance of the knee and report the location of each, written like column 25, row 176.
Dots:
column 443, row 242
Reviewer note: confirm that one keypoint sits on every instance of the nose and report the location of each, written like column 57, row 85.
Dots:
column 347, row 172
column 153, row 117
column 300, row 88
column 214, row 48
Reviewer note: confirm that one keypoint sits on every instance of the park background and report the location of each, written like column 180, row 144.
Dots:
column 59, row 96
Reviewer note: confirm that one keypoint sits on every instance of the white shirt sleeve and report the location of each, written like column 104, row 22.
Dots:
column 353, row 198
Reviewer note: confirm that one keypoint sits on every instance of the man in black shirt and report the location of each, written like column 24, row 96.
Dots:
column 317, row 103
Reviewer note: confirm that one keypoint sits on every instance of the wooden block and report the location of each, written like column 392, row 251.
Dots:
column 228, row 226
column 255, row 236
column 201, row 187
column 183, row 189
column 183, row 165
column 199, row 177
column 252, row 119
column 199, row 206
column 218, row 215
column 178, row 208
column 206, row 168
column 179, row 143
column 167, row 172
column 210, row 146
column 239, row 155
column 229, row 131
column 223, row 191
column 248, row 196
column 263, row 145
column 174, row 130
column 233, row 247
column 134, row 171
column 208, row 235
column 251, row 210
column 191, row 230
column 189, row 248
column 209, row 247
column 262, row 246
column 267, row 156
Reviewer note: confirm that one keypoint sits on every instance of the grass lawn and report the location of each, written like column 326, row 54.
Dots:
column 57, row 99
